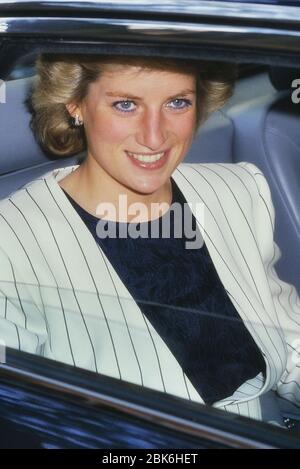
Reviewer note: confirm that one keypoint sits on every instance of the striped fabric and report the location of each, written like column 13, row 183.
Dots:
column 62, row 299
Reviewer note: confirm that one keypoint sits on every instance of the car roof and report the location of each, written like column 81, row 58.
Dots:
column 263, row 9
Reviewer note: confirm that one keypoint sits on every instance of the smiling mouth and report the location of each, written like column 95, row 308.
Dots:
column 146, row 158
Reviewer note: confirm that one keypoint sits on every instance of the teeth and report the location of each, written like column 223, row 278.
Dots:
column 146, row 158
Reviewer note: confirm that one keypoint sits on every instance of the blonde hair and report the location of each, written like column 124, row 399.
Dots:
column 64, row 79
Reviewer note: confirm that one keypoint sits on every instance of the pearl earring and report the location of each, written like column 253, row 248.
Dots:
column 77, row 121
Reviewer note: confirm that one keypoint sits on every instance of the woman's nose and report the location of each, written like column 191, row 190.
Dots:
column 151, row 132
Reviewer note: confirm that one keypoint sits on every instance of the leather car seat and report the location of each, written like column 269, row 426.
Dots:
column 267, row 133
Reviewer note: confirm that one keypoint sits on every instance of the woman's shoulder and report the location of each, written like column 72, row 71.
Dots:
column 44, row 187
column 226, row 168
column 238, row 176
column 28, row 215
column 19, row 198
column 35, row 198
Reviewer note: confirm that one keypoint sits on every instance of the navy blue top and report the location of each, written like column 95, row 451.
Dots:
column 205, row 333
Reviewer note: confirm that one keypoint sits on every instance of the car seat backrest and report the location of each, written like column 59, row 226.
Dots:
column 267, row 134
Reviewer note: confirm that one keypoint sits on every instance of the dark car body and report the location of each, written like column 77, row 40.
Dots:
column 56, row 406
column 49, row 405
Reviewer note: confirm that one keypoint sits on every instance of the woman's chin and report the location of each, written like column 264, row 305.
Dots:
column 147, row 188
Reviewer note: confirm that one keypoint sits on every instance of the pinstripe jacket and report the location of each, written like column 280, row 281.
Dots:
column 61, row 298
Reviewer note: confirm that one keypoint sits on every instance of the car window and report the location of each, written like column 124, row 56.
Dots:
column 111, row 334
column 23, row 68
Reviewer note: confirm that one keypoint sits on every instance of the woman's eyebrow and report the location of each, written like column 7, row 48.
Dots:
column 122, row 94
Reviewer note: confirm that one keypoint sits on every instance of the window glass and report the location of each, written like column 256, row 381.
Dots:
column 232, row 343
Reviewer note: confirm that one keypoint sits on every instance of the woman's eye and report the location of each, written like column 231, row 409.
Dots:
column 180, row 103
column 124, row 106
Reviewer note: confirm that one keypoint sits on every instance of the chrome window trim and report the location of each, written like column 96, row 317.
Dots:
column 195, row 8
column 158, row 32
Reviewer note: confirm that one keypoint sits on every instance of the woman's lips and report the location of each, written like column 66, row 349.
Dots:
column 148, row 165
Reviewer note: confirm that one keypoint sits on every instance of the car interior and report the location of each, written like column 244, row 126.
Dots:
column 259, row 124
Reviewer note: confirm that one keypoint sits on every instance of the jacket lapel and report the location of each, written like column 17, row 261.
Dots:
column 134, row 351
column 236, row 258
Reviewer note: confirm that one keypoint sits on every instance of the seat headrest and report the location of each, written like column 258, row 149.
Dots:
column 282, row 77
column 19, row 148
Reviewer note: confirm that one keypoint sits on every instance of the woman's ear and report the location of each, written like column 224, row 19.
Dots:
column 74, row 110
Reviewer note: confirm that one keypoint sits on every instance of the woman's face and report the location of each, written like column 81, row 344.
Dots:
column 139, row 125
